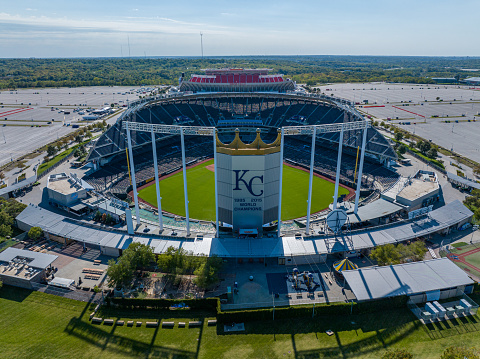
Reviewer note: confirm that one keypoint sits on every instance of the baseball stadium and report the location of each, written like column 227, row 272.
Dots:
column 248, row 166
column 247, row 101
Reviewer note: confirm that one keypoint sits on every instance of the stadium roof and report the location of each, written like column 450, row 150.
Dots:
column 19, row 185
column 39, row 260
column 408, row 278
column 373, row 210
column 444, row 217
column 473, row 79
column 463, row 181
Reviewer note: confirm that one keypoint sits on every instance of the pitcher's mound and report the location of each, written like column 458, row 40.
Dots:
column 210, row 167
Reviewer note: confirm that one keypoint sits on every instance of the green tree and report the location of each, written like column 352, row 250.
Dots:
column 417, row 250
column 140, row 255
column 120, row 273
column 165, row 260
column 12, row 206
column 385, row 255
column 402, row 149
column 35, row 233
column 432, row 153
column 460, row 353
column 398, row 136
column 78, row 138
column 397, row 354
column 207, row 273
column 5, row 218
column 5, row 230
column 477, row 214
column 51, row 150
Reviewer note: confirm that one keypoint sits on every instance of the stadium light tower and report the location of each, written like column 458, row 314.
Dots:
column 360, row 170
column 134, row 183
column 339, row 164
column 312, row 163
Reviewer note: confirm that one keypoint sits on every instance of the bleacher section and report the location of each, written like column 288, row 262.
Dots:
column 114, row 175
column 272, row 112
column 244, row 80
column 298, row 151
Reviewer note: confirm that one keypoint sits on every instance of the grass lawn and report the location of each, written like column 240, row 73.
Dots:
column 458, row 244
column 201, row 193
column 463, row 249
column 6, row 243
column 46, row 165
column 38, row 325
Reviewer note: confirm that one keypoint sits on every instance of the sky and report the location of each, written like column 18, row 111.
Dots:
column 60, row 28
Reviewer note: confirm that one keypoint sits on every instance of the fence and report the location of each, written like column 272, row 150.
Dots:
column 49, row 169
column 427, row 162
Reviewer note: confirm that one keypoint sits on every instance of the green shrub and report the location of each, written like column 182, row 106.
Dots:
column 460, row 353
column 397, row 354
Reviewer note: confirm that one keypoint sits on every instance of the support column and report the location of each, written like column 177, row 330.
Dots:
column 185, row 180
column 157, row 182
column 280, row 184
column 360, row 170
column 339, row 162
column 216, row 174
column 310, row 182
column 132, row 172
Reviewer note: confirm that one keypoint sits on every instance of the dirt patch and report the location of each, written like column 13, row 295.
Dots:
column 210, row 167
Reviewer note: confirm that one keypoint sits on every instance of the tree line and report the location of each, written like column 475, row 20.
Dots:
column 40, row 73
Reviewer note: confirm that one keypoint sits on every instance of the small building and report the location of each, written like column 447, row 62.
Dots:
column 422, row 281
column 415, row 192
column 21, row 268
column 462, row 182
column 114, row 208
column 472, row 81
column 66, row 192
column 12, row 190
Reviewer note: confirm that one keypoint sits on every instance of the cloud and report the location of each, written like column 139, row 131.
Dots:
column 126, row 24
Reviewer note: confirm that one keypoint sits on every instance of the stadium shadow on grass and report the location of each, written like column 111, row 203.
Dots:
column 96, row 335
column 101, row 336
column 389, row 329
column 16, row 295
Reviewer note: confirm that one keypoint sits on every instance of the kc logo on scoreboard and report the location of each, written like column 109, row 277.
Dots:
column 242, row 177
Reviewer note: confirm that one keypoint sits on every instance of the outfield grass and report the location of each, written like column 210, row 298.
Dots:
column 38, row 325
column 201, row 193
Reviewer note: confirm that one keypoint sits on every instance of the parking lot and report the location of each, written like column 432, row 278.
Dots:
column 27, row 121
column 451, row 122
